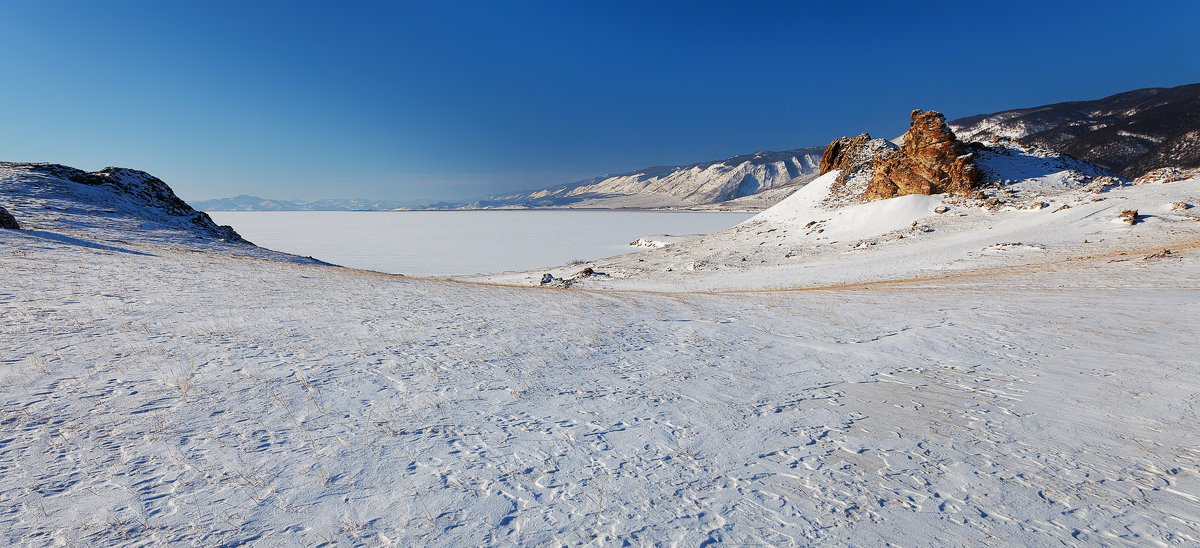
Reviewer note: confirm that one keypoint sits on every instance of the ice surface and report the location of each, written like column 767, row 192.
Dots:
column 445, row 243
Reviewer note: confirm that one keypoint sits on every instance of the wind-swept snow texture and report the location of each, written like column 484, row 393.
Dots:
column 164, row 396
column 156, row 395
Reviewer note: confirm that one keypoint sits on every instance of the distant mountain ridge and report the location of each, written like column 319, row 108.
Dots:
column 1129, row 133
column 245, row 202
column 698, row 185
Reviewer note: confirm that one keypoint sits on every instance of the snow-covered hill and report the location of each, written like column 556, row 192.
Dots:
column 1130, row 133
column 1036, row 205
column 701, row 184
column 112, row 207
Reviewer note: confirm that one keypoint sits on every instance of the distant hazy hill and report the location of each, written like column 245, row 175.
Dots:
column 1129, row 133
column 255, row 203
column 698, row 185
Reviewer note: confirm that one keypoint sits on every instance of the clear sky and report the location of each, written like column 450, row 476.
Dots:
column 457, row 100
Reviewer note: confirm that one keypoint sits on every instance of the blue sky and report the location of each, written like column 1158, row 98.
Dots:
column 456, row 100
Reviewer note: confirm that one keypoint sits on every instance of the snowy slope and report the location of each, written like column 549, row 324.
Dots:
column 154, row 394
column 1037, row 206
column 165, row 396
column 112, row 206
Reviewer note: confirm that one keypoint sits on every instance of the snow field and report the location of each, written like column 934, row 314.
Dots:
column 155, row 395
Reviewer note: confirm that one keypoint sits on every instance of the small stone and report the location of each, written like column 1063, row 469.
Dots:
column 1158, row 254
column 1180, row 206
column 941, row 209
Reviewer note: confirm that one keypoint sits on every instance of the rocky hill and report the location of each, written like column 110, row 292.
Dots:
column 110, row 209
column 931, row 160
column 1024, row 206
column 1129, row 133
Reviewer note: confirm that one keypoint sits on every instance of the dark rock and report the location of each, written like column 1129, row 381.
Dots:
column 8, row 221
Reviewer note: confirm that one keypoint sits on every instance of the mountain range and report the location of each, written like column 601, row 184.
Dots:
column 739, row 182
column 245, row 202
column 1129, row 133
column 701, row 184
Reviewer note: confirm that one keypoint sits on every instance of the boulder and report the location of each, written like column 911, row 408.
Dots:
column 931, row 161
column 8, row 221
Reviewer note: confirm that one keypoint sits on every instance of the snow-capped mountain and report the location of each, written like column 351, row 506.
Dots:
column 1129, row 133
column 737, row 180
column 700, row 184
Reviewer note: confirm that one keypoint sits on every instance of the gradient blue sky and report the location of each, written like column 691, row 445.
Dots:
column 456, row 100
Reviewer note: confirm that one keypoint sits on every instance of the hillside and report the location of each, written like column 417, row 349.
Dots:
column 1129, row 133
column 1033, row 205
column 111, row 208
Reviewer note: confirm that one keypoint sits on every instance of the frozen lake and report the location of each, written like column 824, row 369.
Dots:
column 448, row 243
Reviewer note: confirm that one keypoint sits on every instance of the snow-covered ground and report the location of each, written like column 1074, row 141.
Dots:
column 156, row 394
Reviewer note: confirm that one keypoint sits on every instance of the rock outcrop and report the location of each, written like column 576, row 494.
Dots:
column 931, row 161
column 8, row 221
column 125, row 193
column 1165, row 175
column 844, row 154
